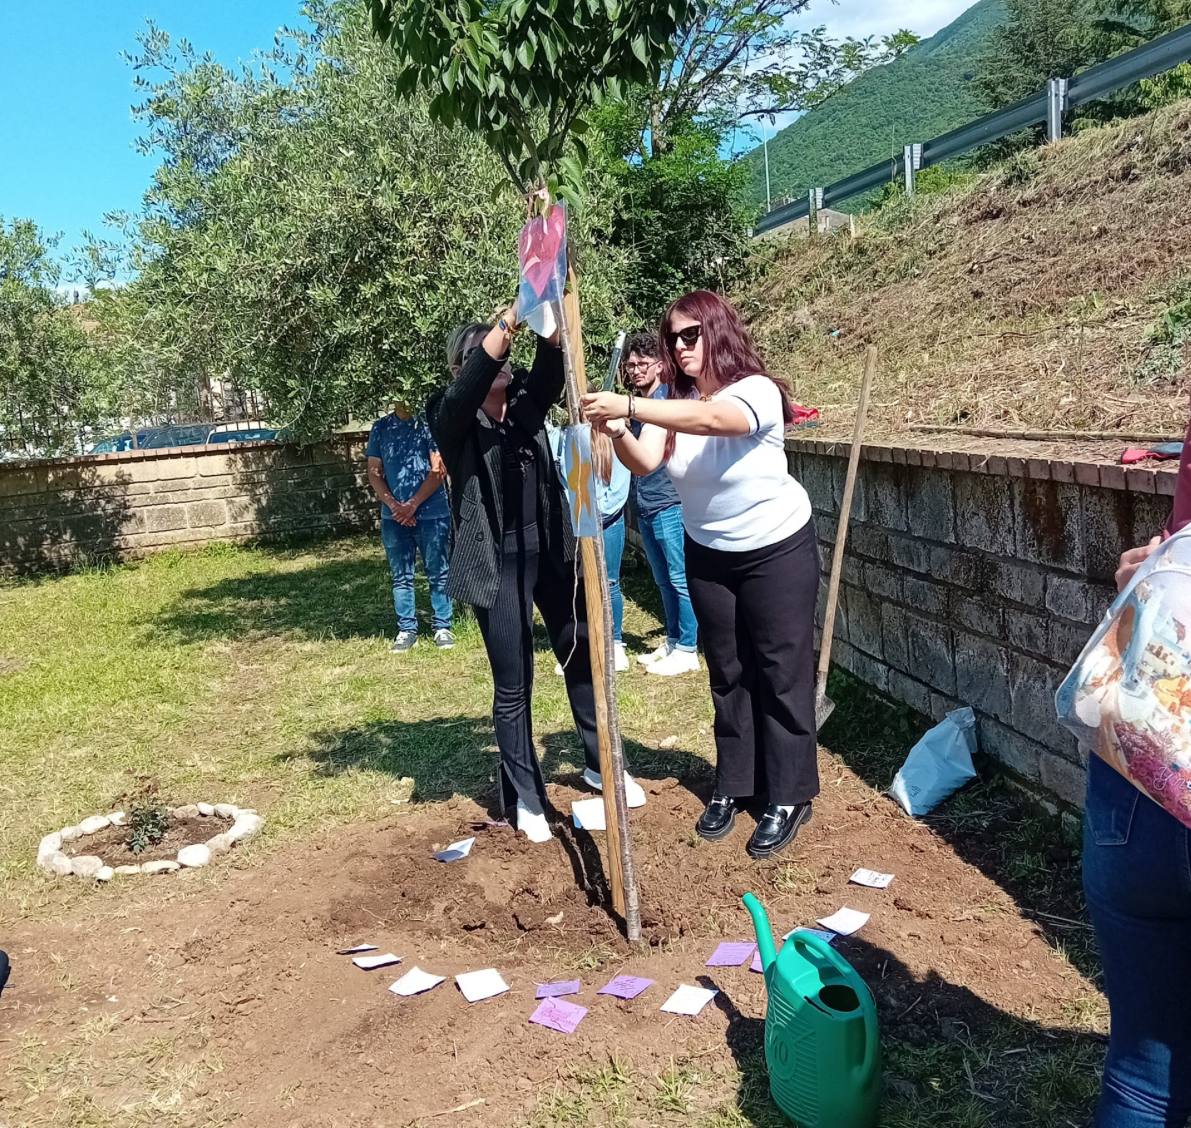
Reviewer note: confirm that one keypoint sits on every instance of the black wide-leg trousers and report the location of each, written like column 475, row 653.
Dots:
column 756, row 612
column 528, row 577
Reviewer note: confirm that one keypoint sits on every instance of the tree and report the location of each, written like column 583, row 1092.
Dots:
column 743, row 58
column 680, row 219
column 310, row 238
column 1119, row 25
column 50, row 386
column 1040, row 40
column 1044, row 39
column 524, row 74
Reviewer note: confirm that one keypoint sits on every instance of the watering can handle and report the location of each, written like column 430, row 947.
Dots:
column 822, row 948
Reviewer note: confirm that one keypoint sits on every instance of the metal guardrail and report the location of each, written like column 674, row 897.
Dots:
column 1048, row 105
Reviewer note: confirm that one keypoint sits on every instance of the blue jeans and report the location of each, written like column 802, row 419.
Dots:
column 613, row 555
column 662, row 535
column 1137, row 879
column 432, row 538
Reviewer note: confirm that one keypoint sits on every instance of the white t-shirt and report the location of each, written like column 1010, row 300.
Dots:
column 736, row 491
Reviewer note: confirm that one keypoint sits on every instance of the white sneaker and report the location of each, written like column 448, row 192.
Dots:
column 634, row 794
column 656, row 654
column 676, row 662
column 558, row 669
column 534, row 827
column 622, row 658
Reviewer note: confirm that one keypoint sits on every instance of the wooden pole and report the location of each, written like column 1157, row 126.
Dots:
column 823, row 704
column 622, row 876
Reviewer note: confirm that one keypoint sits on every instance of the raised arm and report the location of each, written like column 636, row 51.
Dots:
column 641, row 454
column 546, row 378
column 691, row 417
column 452, row 413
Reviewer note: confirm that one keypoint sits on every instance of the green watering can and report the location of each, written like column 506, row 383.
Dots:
column 821, row 1042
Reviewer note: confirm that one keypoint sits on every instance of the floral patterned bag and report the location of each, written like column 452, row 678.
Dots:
column 1128, row 696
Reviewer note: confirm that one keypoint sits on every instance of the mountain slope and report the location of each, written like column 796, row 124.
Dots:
column 924, row 93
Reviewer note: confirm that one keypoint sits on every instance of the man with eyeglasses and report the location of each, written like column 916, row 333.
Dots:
column 659, row 519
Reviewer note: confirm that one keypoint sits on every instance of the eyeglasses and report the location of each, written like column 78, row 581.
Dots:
column 689, row 337
column 632, row 365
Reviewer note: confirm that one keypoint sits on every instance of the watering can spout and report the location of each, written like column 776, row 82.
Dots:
column 764, row 932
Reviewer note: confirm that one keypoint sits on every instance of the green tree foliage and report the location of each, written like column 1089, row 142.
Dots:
column 523, row 74
column 737, row 59
column 1039, row 40
column 50, row 385
column 679, row 219
column 1042, row 39
column 311, row 238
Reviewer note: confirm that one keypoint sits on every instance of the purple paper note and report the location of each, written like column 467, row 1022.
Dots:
column 731, row 955
column 558, row 1014
column 756, row 964
column 626, row 986
column 552, row 990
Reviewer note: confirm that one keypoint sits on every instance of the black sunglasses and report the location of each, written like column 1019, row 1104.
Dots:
column 689, row 337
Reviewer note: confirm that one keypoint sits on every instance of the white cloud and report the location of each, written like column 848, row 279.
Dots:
column 879, row 17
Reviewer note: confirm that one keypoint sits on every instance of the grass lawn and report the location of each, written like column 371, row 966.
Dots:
column 263, row 677
column 260, row 677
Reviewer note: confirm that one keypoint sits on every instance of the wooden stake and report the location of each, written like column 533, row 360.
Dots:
column 823, row 704
column 621, row 873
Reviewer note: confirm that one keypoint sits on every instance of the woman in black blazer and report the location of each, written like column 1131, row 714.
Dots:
column 514, row 545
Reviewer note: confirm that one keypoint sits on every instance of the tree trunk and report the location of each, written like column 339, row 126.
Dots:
column 621, row 872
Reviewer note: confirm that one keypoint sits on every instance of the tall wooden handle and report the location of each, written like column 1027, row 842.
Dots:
column 622, row 878
column 845, row 511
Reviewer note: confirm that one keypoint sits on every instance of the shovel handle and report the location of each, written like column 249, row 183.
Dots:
column 845, row 511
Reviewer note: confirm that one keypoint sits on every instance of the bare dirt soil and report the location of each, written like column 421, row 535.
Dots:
column 235, row 967
column 114, row 843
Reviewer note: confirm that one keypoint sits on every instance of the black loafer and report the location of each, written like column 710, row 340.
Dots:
column 718, row 819
column 776, row 830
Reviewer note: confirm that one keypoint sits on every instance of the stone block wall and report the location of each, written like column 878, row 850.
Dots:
column 975, row 579
column 55, row 512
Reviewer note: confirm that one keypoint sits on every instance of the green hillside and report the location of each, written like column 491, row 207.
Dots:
column 916, row 97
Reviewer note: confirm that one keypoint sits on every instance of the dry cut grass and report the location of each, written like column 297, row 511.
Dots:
column 1052, row 292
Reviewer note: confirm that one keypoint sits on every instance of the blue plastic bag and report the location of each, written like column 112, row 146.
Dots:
column 939, row 764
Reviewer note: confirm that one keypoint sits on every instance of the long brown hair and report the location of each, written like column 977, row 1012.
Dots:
column 729, row 353
column 602, row 455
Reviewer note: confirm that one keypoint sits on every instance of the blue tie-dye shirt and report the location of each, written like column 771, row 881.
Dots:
column 404, row 446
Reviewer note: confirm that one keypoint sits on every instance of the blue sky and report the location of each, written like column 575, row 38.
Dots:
column 66, row 131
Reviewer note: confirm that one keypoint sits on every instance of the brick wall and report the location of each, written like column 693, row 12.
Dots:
column 121, row 506
column 975, row 579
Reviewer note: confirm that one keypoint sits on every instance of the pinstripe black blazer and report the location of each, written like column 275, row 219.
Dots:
column 471, row 451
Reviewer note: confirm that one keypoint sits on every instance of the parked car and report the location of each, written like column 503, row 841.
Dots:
column 188, row 435
column 246, row 435
column 122, row 441
column 179, row 435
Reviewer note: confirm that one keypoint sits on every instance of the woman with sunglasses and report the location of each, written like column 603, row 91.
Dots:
column 514, row 546
column 751, row 556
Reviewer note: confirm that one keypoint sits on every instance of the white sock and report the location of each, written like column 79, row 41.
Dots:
column 786, row 810
column 534, row 827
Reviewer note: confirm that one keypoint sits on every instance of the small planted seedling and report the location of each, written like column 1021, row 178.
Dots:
column 148, row 823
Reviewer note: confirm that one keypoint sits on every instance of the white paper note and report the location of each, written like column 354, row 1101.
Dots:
column 541, row 320
column 415, row 981
column 357, row 948
column 688, row 1000
column 871, row 878
column 477, row 985
column 845, row 921
column 371, row 963
column 456, row 850
column 589, row 814
column 822, row 934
